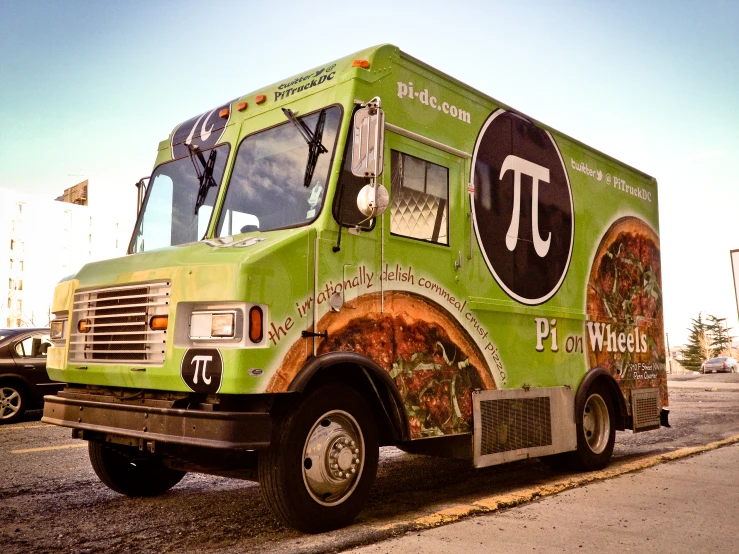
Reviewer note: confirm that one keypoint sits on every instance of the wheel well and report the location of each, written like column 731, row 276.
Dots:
column 369, row 380
column 15, row 381
column 600, row 375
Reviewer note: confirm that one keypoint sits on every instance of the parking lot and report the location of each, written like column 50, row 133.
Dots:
column 51, row 499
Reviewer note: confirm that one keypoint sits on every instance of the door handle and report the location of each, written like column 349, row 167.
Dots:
column 458, row 261
column 29, row 366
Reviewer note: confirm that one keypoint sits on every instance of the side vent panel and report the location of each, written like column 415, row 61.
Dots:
column 515, row 424
column 646, row 409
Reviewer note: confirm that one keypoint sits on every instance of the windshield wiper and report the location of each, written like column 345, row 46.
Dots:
column 205, row 179
column 313, row 138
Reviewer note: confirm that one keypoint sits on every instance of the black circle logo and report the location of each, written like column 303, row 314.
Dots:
column 523, row 211
column 202, row 369
column 202, row 131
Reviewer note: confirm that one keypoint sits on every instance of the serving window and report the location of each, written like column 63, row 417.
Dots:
column 419, row 199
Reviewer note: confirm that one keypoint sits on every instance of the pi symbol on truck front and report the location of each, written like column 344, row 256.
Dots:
column 202, row 369
column 522, row 206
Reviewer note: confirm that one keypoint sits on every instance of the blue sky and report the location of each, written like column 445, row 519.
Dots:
column 88, row 89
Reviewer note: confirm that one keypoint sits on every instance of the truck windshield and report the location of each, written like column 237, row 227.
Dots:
column 173, row 212
column 268, row 188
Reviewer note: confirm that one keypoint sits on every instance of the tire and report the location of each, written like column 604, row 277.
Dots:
column 596, row 430
column 317, row 472
column 132, row 475
column 13, row 402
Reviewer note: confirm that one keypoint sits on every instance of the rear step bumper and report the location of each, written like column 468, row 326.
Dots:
column 226, row 430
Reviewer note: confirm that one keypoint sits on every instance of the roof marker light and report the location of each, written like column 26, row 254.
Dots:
column 224, row 113
column 364, row 64
column 260, row 99
column 241, row 106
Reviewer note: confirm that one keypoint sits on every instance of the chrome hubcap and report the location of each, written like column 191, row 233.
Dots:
column 596, row 424
column 333, row 458
column 10, row 402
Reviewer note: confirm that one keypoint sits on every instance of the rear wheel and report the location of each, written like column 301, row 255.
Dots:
column 596, row 430
column 132, row 473
column 319, row 468
column 596, row 433
column 13, row 402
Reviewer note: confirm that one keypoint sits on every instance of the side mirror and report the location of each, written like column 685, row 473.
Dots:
column 140, row 192
column 373, row 200
column 369, row 140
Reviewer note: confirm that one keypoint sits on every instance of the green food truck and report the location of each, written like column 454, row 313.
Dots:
column 368, row 253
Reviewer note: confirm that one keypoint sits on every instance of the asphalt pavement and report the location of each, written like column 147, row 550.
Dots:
column 688, row 505
column 51, row 501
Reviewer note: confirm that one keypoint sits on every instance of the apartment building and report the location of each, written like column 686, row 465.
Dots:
column 43, row 240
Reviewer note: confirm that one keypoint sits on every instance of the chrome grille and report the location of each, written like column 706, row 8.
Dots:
column 119, row 324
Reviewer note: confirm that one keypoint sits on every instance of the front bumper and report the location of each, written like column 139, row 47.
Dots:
column 211, row 429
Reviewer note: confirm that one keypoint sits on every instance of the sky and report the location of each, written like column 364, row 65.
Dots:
column 88, row 89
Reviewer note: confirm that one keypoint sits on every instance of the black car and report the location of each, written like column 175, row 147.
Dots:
column 23, row 377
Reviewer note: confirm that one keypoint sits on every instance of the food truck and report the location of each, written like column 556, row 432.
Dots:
column 367, row 253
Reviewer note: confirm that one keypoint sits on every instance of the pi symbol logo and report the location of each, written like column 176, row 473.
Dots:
column 203, row 131
column 202, row 370
column 522, row 207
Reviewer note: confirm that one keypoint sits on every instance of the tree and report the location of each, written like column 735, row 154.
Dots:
column 721, row 343
column 706, row 339
column 698, row 349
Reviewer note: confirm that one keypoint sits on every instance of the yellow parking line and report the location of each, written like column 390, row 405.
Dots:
column 45, row 448
column 526, row 494
column 19, row 427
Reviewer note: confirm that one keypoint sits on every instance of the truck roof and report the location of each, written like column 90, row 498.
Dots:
column 381, row 58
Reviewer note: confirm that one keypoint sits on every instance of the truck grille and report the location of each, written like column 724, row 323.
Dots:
column 118, row 318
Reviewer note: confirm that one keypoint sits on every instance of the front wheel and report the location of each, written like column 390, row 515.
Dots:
column 132, row 473
column 317, row 473
column 13, row 402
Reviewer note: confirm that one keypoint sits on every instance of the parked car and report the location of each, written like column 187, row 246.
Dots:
column 719, row 364
column 23, row 377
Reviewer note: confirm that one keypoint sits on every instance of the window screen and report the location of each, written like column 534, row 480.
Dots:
column 419, row 199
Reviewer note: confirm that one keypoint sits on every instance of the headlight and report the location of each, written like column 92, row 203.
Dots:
column 234, row 325
column 212, row 325
column 58, row 330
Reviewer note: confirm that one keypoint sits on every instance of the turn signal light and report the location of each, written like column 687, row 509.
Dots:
column 159, row 322
column 364, row 64
column 256, row 330
column 84, row 326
